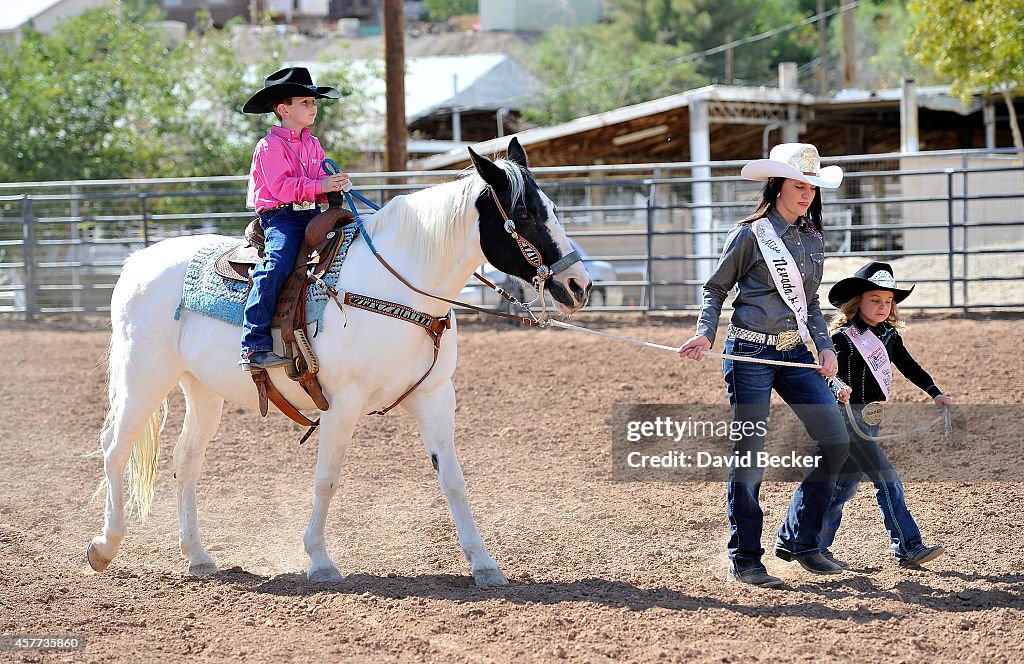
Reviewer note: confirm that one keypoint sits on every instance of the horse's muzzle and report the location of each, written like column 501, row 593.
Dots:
column 571, row 293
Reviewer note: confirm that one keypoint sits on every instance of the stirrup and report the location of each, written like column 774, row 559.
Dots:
column 263, row 359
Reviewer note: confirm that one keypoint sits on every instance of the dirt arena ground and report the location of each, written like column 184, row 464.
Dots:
column 600, row 571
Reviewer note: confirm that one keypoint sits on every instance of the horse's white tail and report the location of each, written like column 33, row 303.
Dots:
column 140, row 472
column 142, row 465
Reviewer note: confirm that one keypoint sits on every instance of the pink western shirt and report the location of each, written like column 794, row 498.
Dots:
column 285, row 169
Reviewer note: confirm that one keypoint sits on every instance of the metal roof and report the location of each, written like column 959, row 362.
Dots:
column 630, row 119
column 487, row 81
column 742, row 122
column 16, row 13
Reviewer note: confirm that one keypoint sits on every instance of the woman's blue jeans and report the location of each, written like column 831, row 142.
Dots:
column 806, row 391
column 868, row 459
column 283, row 230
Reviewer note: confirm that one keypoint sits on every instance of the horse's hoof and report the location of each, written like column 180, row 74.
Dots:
column 489, row 577
column 97, row 562
column 325, row 575
column 202, row 569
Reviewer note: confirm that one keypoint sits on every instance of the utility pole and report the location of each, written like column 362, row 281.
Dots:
column 728, row 61
column 456, row 114
column 395, row 130
column 849, row 46
column 822, row 52
column 908, row 117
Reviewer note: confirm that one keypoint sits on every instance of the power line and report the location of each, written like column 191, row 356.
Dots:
column 690, row 57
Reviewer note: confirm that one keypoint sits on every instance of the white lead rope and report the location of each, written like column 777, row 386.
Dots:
column 943, row 416
column 675, row 349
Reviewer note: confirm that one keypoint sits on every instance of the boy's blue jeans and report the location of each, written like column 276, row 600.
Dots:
column 806, row 391
column 868, row 459
column 283, row 230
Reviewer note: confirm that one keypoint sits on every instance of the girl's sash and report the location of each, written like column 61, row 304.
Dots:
column 872, row 350
column 788, row 280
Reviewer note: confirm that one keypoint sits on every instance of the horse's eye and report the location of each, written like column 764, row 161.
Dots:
column 523, row 215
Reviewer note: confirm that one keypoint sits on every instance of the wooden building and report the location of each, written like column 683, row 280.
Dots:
column 727, row 122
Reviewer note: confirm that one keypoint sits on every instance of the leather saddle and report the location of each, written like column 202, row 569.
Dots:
column 237, row 264
column 319, row 249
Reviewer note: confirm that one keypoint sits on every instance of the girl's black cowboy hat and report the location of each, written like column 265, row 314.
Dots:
column 873, row 276
column 284, row 84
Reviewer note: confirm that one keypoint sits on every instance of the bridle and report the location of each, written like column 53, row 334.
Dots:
column 529, row 251
column 533, row 257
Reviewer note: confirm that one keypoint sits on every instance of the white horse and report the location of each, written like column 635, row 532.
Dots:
column 434, row 238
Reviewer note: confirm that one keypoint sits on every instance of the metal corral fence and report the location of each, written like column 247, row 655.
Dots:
column 951, row 222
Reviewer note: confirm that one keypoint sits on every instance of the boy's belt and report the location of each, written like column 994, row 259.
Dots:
column 786, row 340
column 298, row 207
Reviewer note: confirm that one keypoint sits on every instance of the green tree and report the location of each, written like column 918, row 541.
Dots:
column 977, row 45
column 600, row 67
column 83, row 102
column 215, row 137
column 882, row 29
column 139, row 8
column 648, row 48
column 440, row 10
column 699, row 25
column 102, row 97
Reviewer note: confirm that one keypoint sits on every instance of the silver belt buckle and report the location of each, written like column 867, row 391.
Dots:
column 300, row 207
column 787, row 340
column 872, row 413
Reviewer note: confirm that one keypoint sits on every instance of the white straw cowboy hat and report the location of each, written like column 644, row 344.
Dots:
column 796, row 161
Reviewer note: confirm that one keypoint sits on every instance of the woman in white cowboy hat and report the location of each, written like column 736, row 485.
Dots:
column 775, row 258
column 868, row 345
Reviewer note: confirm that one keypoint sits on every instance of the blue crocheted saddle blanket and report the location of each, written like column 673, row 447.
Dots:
column 210, row 294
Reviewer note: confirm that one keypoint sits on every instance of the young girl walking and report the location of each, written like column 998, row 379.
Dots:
column 865, row 334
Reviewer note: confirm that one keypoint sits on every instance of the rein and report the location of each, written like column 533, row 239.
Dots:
column 532, row 257
column 529, row 251
column 944, row 417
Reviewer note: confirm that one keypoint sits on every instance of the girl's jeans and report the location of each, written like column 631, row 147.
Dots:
column 868, row 459
column 806, row 391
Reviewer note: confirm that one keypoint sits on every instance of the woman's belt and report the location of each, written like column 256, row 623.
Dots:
column 786, row 340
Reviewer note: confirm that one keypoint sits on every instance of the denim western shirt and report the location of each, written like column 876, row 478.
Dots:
column 758, row 305
column 854, row 371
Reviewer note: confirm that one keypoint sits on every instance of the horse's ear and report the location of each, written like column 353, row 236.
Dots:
column 488, row 170
column 516, row 153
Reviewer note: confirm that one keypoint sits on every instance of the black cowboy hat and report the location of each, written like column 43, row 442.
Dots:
column 873, row 276
column 284, row 84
